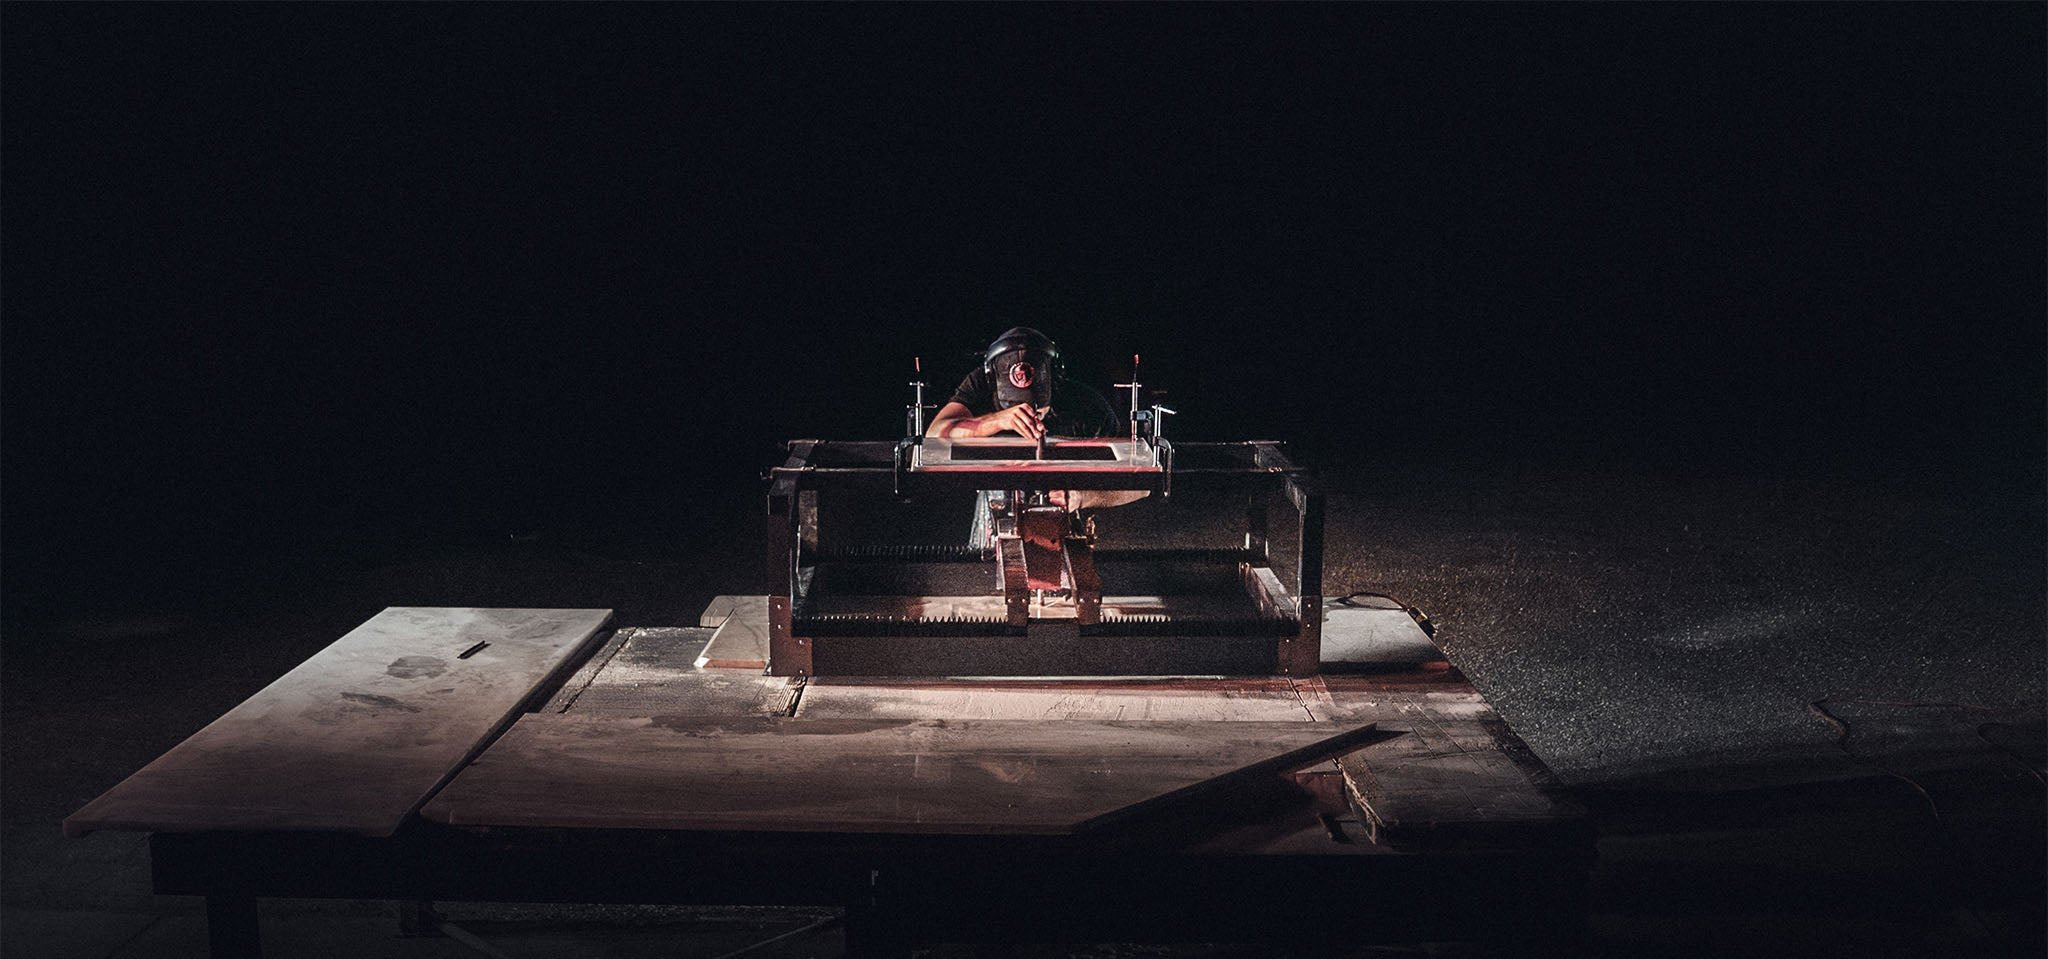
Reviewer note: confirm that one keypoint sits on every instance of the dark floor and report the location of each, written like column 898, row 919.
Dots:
column 1805, row 709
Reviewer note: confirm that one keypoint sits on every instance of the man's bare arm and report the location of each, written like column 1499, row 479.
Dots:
column 955, row 420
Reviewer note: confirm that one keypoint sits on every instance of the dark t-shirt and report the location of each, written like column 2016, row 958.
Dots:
column 977, row 392
column 1076, row 409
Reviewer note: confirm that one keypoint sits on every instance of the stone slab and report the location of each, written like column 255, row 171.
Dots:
column 355, row 738
column 1370, row 637
column 720, row 608
column 653, row 674
column 741, row 641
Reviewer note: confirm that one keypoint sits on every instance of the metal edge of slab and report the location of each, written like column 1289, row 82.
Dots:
column 570, row 662
column 853, row 737
column 1331, row 747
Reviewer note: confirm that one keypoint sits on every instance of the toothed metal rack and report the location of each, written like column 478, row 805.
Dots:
column 924, row 609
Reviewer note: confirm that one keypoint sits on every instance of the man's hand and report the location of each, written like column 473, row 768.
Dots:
column 953, row 422
column 1023, row 419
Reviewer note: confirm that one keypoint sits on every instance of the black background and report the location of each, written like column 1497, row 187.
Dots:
column 274, row 271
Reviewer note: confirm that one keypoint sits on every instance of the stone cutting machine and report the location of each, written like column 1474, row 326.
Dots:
column 860, row 585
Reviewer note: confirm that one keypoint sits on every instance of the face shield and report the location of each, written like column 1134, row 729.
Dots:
column 1022, row 376
column 1020, row 364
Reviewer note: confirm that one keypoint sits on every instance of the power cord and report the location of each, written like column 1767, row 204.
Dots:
column 1842, row 729
column 1963, row 860
column 1819, row 708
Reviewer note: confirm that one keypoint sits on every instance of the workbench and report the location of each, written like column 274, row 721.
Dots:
column 549, row 756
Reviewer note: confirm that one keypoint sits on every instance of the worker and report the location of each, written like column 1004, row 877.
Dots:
column 1012, row 392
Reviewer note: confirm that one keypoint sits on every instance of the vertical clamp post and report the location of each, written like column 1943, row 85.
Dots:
column 913, row 420
column 1134, row 386
column 913, row 429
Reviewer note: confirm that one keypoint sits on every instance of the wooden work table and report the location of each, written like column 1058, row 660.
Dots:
column 534, row 755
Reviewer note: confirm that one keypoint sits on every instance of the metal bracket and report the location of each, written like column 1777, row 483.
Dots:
column 1164, row 451
column 901, row 466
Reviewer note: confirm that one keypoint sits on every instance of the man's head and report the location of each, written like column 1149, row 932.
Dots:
column 1020, row 363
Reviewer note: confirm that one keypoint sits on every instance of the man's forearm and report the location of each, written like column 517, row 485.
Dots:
column 1020, row 419
column 956, row 427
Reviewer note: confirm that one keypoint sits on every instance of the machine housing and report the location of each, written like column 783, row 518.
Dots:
column 862, row 584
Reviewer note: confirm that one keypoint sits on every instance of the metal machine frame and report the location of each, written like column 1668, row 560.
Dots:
column 820, row 478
